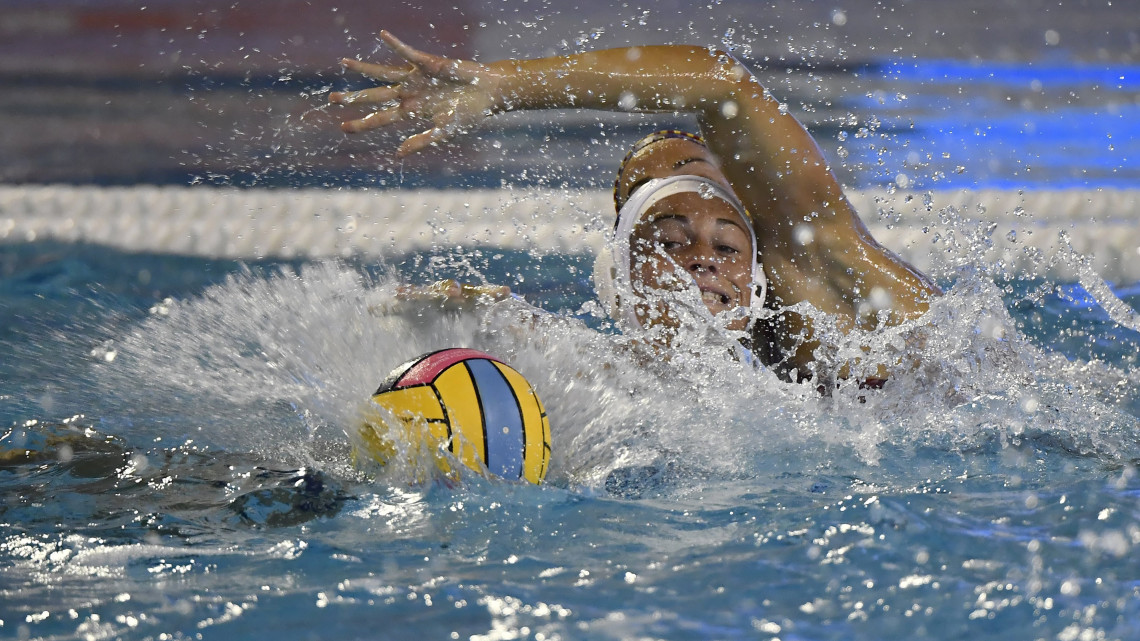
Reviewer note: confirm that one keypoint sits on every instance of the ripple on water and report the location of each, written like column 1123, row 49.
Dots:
column 205, row 482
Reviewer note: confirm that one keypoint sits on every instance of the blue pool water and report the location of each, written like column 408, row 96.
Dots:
column 175, row 432
column 187, row 472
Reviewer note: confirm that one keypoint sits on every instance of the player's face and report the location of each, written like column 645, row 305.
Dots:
column 689, row 238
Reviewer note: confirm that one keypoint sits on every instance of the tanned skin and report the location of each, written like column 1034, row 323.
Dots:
column 813, row 245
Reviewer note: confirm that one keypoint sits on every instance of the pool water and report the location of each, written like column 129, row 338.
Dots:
column 175, row 465
column 176, row 432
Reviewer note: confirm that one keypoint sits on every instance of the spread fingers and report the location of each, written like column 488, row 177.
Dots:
column 373, row 120
column 422, row 140
column 436, row 66
column 371, row 96
column 383, row 73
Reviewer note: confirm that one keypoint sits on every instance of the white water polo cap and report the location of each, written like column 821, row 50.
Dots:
column 612, row 267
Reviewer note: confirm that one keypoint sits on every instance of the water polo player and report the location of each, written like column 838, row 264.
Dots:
column 677, row 238
column 813, row 246
column 681, row 245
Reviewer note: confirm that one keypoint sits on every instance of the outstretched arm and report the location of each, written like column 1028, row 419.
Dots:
column 813, row 245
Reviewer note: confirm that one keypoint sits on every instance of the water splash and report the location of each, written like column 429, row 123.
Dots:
column 280, row 366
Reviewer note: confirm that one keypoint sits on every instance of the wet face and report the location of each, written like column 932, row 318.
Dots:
column 687, row 238
column 670, row 157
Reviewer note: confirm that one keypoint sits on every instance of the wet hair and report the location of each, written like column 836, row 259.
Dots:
column 655, row 137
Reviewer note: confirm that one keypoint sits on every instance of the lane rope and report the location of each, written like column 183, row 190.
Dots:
column 1033, row 232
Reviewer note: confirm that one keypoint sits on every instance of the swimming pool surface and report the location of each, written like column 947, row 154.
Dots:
column 176, row 432
column 178, row 468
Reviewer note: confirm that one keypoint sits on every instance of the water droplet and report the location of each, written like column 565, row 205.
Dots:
column 140, row 463
column 880, row 298
column 1029, row 404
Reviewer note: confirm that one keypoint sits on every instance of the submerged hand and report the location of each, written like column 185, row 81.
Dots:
column 453, row 292
column 453, row 94
column 447, row 295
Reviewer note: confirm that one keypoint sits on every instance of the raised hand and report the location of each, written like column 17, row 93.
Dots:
column 454, row 95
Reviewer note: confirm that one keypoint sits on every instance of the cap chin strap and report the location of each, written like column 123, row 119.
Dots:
column 612, row 267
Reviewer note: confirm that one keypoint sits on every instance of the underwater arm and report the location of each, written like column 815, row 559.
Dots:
column 442, row 295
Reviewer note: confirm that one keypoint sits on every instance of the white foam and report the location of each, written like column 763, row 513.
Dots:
column 118, row 556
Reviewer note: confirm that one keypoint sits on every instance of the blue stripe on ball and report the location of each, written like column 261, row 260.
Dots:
column 500, row 410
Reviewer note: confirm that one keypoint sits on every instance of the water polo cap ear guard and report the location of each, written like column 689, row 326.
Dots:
column 611, row 269
column 645, row 141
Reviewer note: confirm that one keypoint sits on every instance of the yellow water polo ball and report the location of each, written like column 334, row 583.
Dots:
column 473, row 404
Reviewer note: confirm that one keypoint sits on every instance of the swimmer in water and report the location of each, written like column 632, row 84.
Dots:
column 814, row 248
column 680, row 243
column 675, row 235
